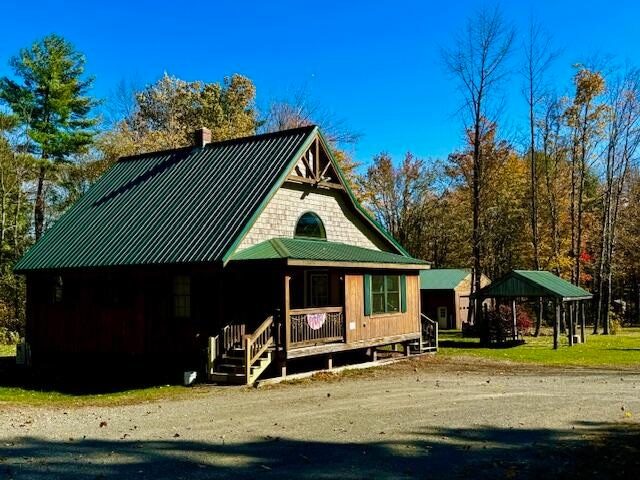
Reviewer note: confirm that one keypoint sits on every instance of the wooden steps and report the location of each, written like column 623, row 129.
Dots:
column 231, row 368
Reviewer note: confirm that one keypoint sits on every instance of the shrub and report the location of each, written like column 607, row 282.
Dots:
column 501, row 322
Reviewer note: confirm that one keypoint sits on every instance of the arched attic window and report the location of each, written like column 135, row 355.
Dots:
column 310, row 226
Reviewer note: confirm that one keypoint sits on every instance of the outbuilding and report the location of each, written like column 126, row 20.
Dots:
column 444, row 295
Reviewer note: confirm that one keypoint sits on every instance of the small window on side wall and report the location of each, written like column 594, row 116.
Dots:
column 58, row 290
column 182, row 296
column 310, row 226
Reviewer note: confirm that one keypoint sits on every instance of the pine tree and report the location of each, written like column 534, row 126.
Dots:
column 52, row 106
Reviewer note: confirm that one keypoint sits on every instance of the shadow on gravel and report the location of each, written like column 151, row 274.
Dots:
column 589, row 451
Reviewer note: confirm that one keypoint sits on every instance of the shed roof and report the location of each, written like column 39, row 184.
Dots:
column 534, row 283
column 187, row 205
column 320, row 252
column 442, row 278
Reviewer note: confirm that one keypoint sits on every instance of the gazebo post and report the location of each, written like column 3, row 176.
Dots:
column 583, row 337
column 556, row 326
column 484, row 321
column 571, row 324
column 514, row 317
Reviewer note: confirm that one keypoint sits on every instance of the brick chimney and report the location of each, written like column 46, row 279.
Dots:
column 201, row 137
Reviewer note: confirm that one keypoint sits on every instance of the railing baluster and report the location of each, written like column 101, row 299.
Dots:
column 331, row 331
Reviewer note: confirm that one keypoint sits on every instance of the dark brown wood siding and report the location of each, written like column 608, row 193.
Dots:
column 126, row 313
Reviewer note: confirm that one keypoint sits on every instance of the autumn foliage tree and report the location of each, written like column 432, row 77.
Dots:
column 164, row 115
column 477, row 63
column 399, row 197
column 585, row 118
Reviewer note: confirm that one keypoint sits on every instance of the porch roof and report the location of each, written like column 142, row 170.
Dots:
column 305, row 252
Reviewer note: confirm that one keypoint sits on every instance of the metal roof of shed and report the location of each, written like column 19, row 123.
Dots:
column 442, row 278
column 533, row 283
column 299, row 251
column 187, row 205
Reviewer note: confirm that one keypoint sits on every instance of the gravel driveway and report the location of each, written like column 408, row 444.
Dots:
column 430, row 417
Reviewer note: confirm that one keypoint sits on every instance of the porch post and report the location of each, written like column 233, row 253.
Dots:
column 287, row 316
column 282, row 362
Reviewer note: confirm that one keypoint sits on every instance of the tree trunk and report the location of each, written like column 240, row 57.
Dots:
column 534, row 185
column 573, row 216
column 39, row 207
column 476, row 238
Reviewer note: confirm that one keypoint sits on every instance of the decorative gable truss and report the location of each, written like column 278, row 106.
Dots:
column 316, row 168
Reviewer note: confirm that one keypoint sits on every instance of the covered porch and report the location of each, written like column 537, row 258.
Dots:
column 330, row 298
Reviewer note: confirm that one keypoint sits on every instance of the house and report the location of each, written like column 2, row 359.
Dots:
column 242, row 254
column 444, row 294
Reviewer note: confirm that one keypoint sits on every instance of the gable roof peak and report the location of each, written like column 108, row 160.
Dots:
column 264, row 136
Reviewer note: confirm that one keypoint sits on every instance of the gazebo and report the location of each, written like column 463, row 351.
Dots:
column 541, row 284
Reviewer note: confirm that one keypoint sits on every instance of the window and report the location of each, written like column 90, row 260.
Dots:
column 385, row 293
column 182, row 297
column 58, row 290
column 310, row 226
column 318, row 289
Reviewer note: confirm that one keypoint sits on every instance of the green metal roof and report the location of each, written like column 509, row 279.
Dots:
column 297, row 250
column 534, row 283
column 178, row 206
column 188, row 205
column 442, row 278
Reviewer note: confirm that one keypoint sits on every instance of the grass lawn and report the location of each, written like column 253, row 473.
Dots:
column 16, row 388
column 55, row 398
column 620, row 350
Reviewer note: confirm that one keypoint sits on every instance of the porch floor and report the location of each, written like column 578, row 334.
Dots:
column 310, row 350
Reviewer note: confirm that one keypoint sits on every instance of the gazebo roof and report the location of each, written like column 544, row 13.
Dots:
column 533, row 283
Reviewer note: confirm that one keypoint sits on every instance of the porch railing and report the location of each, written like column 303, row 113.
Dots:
column 229, row 337
column 256, row 344
column 429, row 333
column 312, row 326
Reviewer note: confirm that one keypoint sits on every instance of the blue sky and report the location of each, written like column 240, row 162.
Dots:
column 374, row 64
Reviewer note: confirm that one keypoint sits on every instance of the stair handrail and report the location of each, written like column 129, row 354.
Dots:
column 434, row 324
column 221, row 343
column 257, row 343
